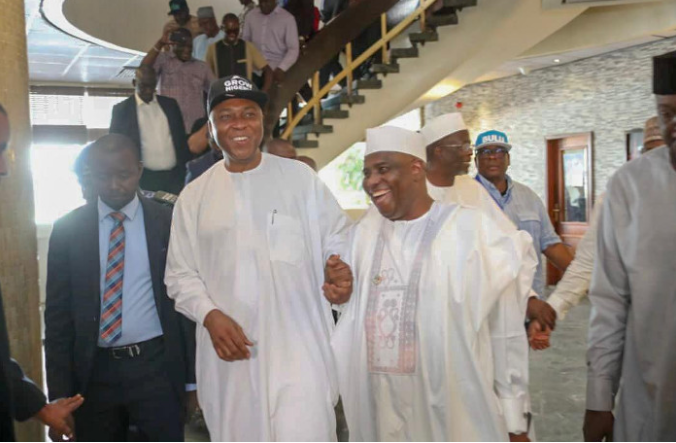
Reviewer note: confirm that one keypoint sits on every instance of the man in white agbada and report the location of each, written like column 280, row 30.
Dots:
column 246, row 262
column 632, row 330
column 449, row 154
column 431, row 345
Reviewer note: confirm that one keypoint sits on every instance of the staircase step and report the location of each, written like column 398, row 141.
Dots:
column 380, row 68
column 404, row 53
column 353, row 99
column 459, row 3
column 423, row 37
column 302, row 144
column 313, row 129
column 335, row 114
column 443, row 19
column 373, row 83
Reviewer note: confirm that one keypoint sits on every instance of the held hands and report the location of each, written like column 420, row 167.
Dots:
column 228, row 338
column 542, row 312
column 57, row 415
column 598, row 425
column 538, row 335
column 338, row 281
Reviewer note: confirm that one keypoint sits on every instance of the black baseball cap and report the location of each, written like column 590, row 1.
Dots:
column 235, row 86
column 177, row 6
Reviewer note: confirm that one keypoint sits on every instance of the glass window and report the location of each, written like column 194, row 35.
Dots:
column 575, row 185
column 55, row 186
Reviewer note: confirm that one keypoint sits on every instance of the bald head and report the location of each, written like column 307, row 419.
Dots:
column 308, row 161
column 281, row 148
column 145, row 82
column 115, row 168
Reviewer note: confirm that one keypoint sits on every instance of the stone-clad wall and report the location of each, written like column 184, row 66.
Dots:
column 608, row 95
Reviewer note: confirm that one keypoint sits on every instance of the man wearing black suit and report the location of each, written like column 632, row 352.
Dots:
column 111, row 331
column 155, row 123
column 20, row 398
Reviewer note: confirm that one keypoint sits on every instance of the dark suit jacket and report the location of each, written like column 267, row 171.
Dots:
column 200, row 165
column 74, row 301
column 20, row 398
column 125, row 121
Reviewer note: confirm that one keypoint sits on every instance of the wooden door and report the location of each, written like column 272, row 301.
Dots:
column 569, row 190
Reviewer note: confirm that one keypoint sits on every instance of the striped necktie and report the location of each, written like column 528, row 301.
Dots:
column 111, row 307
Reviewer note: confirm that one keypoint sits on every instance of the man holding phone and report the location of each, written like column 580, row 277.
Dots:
column 181, row 76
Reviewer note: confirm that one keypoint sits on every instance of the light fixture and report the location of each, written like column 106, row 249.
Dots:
column 556, row 60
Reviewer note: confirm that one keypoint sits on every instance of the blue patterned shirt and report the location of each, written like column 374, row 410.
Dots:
column 526, row 210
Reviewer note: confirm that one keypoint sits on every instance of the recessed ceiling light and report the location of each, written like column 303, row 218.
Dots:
column 556, row 60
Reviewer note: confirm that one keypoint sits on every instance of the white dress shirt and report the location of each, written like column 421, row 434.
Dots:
column 157, row 146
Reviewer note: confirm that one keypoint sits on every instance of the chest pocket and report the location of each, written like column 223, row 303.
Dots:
column 285, row 239
column 530, row 222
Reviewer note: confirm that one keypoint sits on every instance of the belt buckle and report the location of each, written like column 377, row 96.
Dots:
column 113, row 352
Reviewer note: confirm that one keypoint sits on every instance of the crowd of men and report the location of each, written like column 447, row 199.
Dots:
column 229, row 294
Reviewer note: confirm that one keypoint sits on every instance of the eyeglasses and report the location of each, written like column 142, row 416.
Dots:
column 498, row 153
column 462, row 147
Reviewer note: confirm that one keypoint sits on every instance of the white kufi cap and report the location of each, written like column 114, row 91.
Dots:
column 442, row 126
column 394, row 139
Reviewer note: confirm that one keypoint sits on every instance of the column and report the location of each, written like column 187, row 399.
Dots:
column 18, row 243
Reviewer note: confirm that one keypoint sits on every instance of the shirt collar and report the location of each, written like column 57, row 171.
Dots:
column 140, row 102
column 130, row 210
column 495, row 191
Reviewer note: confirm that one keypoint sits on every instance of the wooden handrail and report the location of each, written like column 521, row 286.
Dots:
column 345, row 28
column 386, row 37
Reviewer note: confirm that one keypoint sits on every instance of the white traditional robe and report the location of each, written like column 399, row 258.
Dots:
column 254, row 245
column 466, row 191
column 465, row 346
column 632, row 331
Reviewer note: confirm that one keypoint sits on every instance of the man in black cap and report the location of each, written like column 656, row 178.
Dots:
column 20, row 398
column 181, row 18
column 249, row 244
column 632, row 331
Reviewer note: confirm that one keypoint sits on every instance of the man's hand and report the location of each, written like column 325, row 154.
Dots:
column 57, row 415
column 542, row 312
column 191, row 405
column 278, row 76
column 338, row 281
column 538, row 335
column 519, row 437
column 598, row 425
column 227, row 336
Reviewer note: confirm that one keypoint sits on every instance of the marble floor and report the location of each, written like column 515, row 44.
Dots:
column 558, row 378
column 558, row 383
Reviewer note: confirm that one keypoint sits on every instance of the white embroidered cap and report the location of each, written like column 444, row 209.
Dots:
column 442, row 126
column 393, row 139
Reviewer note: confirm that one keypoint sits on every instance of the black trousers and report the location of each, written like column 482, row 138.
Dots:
column 134, row 391
column 168, row 181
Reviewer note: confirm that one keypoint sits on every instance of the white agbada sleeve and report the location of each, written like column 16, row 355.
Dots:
column 610, row 299
column 183, row 281
column 509, row 257
column 574, row 285
column 333, row 223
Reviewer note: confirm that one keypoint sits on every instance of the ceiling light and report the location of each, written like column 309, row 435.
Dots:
column 556, row 60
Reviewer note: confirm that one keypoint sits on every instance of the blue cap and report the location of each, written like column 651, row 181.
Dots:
column 492, row 138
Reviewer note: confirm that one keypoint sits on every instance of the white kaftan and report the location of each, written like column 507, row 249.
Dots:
column 254, row 245
column 425, row 348
column 632, row 330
